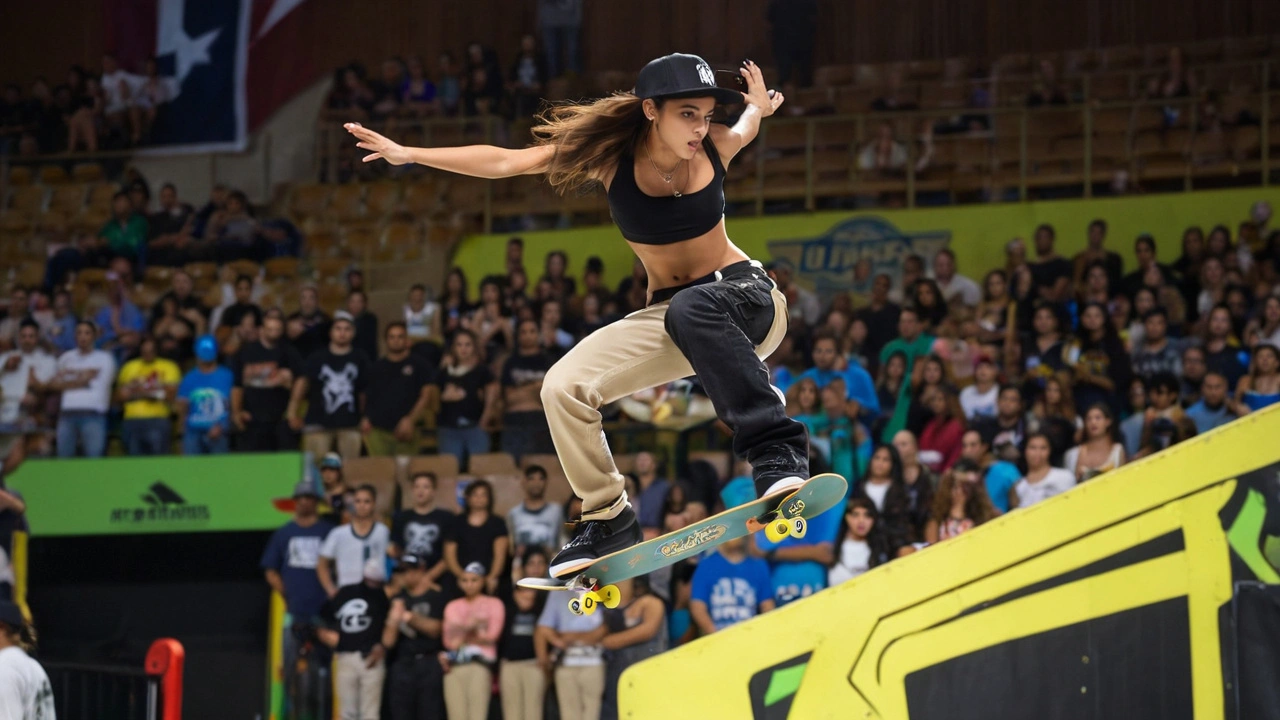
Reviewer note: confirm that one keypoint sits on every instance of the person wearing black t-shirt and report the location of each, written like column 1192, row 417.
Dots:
column 1096, row 252
column 478, row 536
column 264, row 373
column 169, row 238
column 523, row 683
column 366, row 322
column 415, row 682
column 524, row 424
column 399, row 394
column 1050, row 273
column 881, row 318
column 359, row 633
column 309, row 326
column 182, row 292
column 421, row 530
column 233, row 314
column 333, row 383
column 468, row 401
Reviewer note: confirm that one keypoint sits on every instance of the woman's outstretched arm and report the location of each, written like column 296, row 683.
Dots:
column 761, row 103
column 482, row 161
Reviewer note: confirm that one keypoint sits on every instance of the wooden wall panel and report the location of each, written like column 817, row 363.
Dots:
column 44, row 38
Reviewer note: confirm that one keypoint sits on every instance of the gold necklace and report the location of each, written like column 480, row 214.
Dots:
column 666, row 176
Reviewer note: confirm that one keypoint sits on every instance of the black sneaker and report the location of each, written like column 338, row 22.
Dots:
column 595, row 539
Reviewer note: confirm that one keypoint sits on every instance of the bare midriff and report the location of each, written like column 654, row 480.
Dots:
column 682, row 262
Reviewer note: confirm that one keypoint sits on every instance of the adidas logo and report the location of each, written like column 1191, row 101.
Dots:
column 161, row 503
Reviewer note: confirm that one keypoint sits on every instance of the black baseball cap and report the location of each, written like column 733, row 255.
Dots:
column 411, row 562
column 11, row 615
column 682, row 75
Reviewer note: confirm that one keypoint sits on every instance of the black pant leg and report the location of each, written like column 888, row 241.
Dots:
column 718, row 326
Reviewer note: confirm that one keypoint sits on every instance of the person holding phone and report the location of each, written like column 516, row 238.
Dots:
column 711, row 310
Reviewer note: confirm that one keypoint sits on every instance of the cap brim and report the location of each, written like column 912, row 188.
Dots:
column 722, row 96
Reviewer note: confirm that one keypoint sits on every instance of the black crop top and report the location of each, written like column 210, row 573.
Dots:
column 650, row 220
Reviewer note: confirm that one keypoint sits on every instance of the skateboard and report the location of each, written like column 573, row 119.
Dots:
column 779, row 515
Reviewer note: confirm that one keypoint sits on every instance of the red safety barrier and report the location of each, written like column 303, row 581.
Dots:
column 165, row 659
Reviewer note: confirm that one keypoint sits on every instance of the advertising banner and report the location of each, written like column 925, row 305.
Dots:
column 137, row 496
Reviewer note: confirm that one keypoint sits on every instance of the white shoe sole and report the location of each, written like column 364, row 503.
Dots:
column 570, row 567
column 785, row 485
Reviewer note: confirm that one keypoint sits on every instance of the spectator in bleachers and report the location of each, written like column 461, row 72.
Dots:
column 1100, row 450
column 1098, row 361
column 125, row 234
column 925, row 296
column 120, row 89
column 960, row 505
column 264, row 372
column 523, row 681
column 883, row 486
column 1260, row 388
column 174, row 331
column 87, row 116
column 880, row 316
column 483, row 94
column 652, row 492
column 1008, row 429
column 360, row 612
column 147, row 387
column 454, row 303
column 1041, row 481
column 234, row 231
column 998, row 475
column 637, row 631
column 1094, row 287
column 940, row 438
column 400, row 392
column 1149, row 273
column 153, row 92
column 918, row 481
column 1214, row 408
column 449, row 86
column 365, row 322
column 350, row 96
column 527, row 80
column 729, row 587
column 1264, row 328
column 50, row 127
column 571, row 644
column 468, row 400
column 289, row 564
column 139, row 194
column 233, row 315
column 524, row 425
column 84, row 377
column 478, row 536
column 308, row 327
column 472, row 627
column 422, row 322
column 415, row 679
column 554, row 338
column 884, row 154
column 804, row 307
column 954, row 286
column 19, row 310
column 170, row 242
column 121, row 321
column 860, row 543
column 349, row 546
column 333, row 383
column 1222, row 348
column 337, row 495
column 204, row 403
column 417, row 92
column 534, row 523
column 555, row 272
column 1194, row 370
column 490, row 321
column 421, row 529
column 1050, row 273
column 15, row 117
column 1049, row 88
column 893, row 98
column 386, row 90
column 61, row 333
column 858, row 383
column 515, row 255
column 560, row 22
column 913, row 343
column 1156, row 353
column 24, row 372
column 979, row 399
column 1095, row 251
column 1044, row 349
column 633, row 290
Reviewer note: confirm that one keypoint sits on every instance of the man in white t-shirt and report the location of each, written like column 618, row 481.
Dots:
column 979, row 399
column 25, row 692
column 348, row 547
column 84, row 377
column 23, row 373
column 120, row 91
column 954, row 286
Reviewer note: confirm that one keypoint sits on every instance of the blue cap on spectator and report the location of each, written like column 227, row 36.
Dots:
column 206, row 348
column 331, row 460
column 738, row 491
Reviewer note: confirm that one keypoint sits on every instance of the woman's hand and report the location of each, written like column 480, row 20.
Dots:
column 380, row 146
column 757, row 94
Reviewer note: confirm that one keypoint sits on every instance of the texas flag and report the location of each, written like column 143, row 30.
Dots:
column 229, row 64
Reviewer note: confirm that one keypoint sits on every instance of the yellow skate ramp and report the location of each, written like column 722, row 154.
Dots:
column 1121, row 599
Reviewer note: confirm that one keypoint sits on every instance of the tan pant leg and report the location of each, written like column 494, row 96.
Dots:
column 567, row 693
column 533, row 685
column 349, row 444
column 317, row 443
column 591, row 685
column 478, row 684
column 455, row 694
column 346, row 676
column 619, row 359
column 371, row 681
column 509, row 680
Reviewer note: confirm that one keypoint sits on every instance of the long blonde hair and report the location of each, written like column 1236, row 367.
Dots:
column 590, row 137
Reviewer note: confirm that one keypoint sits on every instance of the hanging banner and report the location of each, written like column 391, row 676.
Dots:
column 139, row 496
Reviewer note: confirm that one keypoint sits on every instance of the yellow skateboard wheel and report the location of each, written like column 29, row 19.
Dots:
column 590, row 601
column 610, row 596
column 777, row 530
column 575, row 606
column 799, row 526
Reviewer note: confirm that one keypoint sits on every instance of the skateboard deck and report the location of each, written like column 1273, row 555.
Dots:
column 779, row 515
